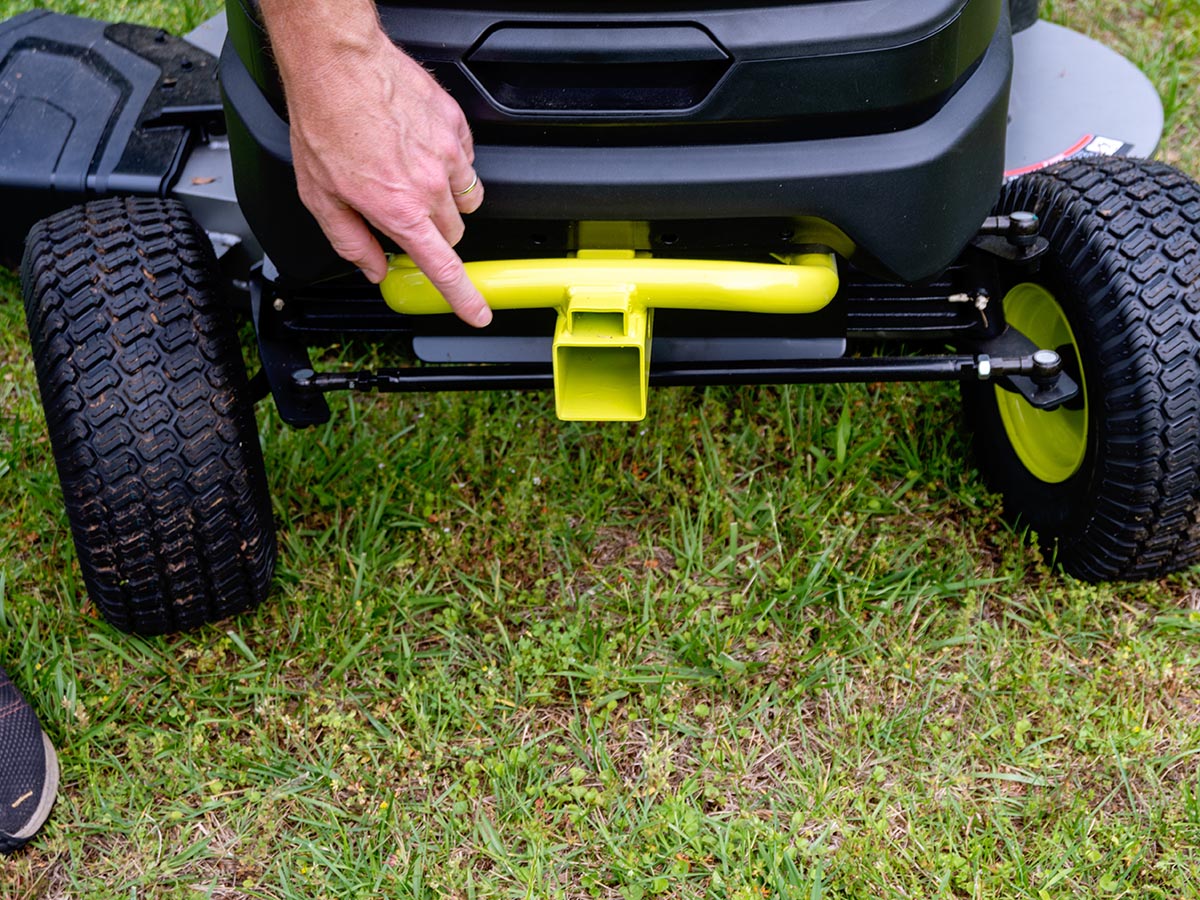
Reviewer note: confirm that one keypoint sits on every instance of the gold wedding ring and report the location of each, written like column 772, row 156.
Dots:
column 470, row 187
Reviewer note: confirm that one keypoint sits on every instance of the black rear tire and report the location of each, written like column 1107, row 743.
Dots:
column 1124, row 269
column 148, row 410
column 1024, row 13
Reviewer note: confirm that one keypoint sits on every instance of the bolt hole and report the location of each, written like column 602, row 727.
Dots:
column 669, row 239
column 538, row 240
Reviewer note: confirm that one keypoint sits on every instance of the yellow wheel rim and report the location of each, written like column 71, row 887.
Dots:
column 1050, row 443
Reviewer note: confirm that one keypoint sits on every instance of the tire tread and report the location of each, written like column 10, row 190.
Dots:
column 1127, row 235
column 147, row 408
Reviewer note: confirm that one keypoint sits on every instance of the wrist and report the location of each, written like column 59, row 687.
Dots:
column 311, row 39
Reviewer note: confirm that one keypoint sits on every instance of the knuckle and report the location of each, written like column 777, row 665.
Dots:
column 350, row 254
column 429, row 181
column 308, row 196
column 474, row 200
column 446, row 272
column 451, row 110
column 451, row 227
column 407, row 218
column 349, row 247
column 449, row 146
column 426, row 186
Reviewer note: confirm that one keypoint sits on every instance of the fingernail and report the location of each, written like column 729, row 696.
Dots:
column 483, row 317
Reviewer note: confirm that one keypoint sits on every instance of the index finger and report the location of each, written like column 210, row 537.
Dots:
column 434, row 256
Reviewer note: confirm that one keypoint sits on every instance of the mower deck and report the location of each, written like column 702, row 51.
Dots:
column 1069, row 94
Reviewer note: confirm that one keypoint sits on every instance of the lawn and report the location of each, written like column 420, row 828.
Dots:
column 770, row 643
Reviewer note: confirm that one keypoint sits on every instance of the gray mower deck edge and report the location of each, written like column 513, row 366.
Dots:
column 1066, row 87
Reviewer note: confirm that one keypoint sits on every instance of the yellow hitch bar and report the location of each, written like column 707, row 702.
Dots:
column 606, row 300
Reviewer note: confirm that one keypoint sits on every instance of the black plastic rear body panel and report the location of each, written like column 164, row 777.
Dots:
column 850, row 66
column 885, row 118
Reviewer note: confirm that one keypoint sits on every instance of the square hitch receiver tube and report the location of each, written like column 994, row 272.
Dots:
column 605, row 300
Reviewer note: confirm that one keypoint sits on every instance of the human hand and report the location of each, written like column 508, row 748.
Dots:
column 376, row 140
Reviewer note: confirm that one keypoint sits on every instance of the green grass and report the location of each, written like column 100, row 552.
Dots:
column 177, row 16
column 771, row 643
column 1163, row 38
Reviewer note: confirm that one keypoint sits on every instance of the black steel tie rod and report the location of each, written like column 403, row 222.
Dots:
column 1042, row 369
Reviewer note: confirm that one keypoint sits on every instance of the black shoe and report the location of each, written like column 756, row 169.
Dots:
column 28, row 770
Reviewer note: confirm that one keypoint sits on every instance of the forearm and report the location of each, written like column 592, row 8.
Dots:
column 375, row 141
column 312, row 37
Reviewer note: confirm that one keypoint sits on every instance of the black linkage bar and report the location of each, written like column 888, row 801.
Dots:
column 1037, row 376
column 429, row 378
column 823, row 371
column 534, row 377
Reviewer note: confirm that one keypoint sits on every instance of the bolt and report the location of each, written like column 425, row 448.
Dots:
column 1047, row 366
column 983, row 366
column 278, row 304
column 1022, row 229
column 1046, row 359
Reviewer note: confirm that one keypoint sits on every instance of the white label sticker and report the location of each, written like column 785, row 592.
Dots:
column 1104, row 146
